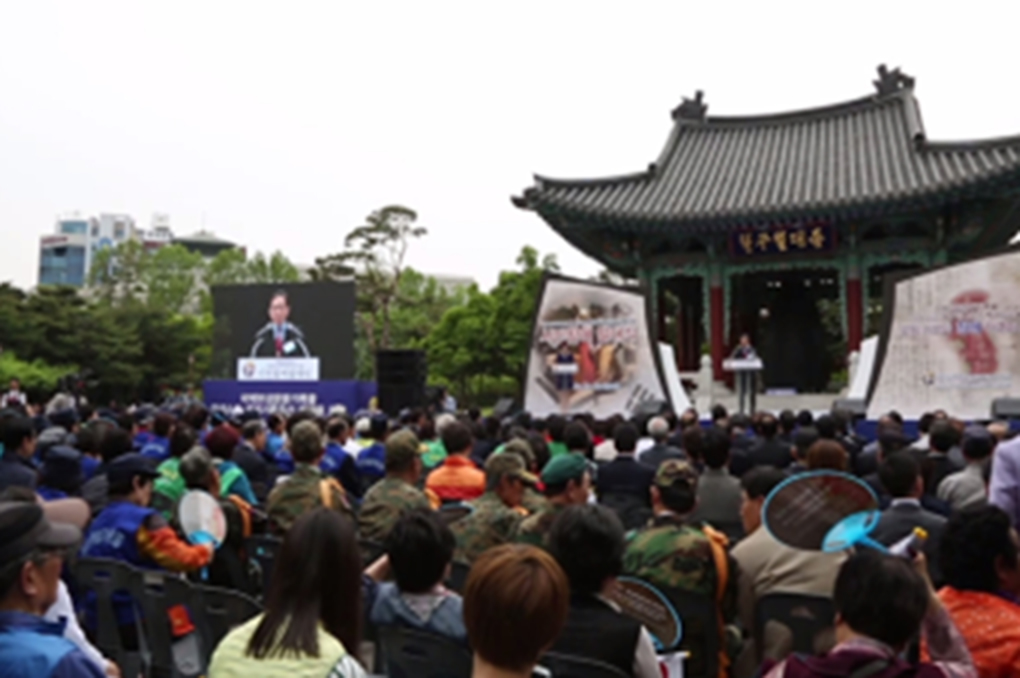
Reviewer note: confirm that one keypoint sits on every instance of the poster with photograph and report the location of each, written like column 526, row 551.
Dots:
column 953, row 341
column 591, row 351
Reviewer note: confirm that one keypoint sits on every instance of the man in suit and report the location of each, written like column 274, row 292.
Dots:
column 622, row 484
column 741, row 444
column 770, row 450
column 867, row 461
column 718, row 491
column 661, row 450
column 769, row 566
column 967, row 488
column 939, row 463
column 17, row 468
column 279, row 338
column 746, row 380
column 901, row 476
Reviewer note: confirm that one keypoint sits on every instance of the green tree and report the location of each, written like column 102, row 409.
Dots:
column 171, row 277
column 118, row 272
column 276, row 269
column 229, row 267
column 374, row 253
column 233, row 267
column 489, row 337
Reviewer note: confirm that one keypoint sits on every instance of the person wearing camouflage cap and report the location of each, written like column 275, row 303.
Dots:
column 567, row 479
column 674, row 555
column 307, row 487
column 396, row 493
column 496, row 515
column 533, row 500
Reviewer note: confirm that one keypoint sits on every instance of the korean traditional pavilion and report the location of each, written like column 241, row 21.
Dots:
column 783, row 225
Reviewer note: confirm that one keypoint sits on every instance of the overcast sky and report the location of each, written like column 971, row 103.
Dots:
column 280, row 125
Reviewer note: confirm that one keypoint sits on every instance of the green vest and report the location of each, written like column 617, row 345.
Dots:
column 170, row 484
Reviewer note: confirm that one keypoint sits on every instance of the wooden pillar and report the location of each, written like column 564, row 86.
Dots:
column 717, row 325
column 854, row 307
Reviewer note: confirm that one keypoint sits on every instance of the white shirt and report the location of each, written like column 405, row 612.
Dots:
column 63, row 609
column 606, row 450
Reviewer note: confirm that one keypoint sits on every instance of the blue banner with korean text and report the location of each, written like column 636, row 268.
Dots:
column 287, row 397
column 801, row 238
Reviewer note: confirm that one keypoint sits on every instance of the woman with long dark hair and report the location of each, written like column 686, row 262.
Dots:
column 312, row 620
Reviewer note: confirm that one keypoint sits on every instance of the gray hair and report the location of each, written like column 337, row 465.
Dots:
column 658, row 428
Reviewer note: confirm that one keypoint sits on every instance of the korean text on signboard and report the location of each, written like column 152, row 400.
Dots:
column 780, row 240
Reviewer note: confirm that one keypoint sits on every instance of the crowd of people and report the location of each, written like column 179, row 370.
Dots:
column 509, row 537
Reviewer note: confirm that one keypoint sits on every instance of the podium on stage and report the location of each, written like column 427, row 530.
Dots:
column 745, row 372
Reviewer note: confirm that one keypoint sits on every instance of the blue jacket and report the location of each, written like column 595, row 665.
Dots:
column 141, row 439
column 284, row 462
column 88, row 467
column 274, row 443
column 49, row 493
column 31, row 647
column 16, row 471
column 372, row 463
column 114, row 534
column 446, row 619
column 338, row 463
column 157, row 448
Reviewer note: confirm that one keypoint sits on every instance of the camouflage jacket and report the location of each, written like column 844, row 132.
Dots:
column 304, row 490
column 384, row 503
column 671, row 554
column 490, row 524
column 535, row 527
column 534, row 502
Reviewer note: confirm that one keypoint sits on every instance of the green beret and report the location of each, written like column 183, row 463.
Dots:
column 564, row 467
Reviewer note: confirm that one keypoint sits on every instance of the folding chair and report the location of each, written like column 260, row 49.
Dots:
column 162, row 595
column 677, row 620
column 261, row 551
column 100, row 578
column 410, row 653
column 458, row 576
column 219, row 610
column 805, row 616
column 571, row 666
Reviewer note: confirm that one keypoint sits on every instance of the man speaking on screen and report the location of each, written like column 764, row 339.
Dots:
column 279, row 338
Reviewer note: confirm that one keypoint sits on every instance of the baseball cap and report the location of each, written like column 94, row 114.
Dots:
column 24, row 528
column 522, row 448
column 978, row 442
column 676, row 471
column 499, row 465
column 564, row 467
column 127, row 466
column 402, row 447
column 62, row 464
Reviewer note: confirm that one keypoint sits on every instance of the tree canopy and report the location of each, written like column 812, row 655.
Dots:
column 144, row 324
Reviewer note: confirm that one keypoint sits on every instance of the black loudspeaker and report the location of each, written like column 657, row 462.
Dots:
column 650, row 408
column 1006, row 408
column 857, row 408
column 400, row 377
